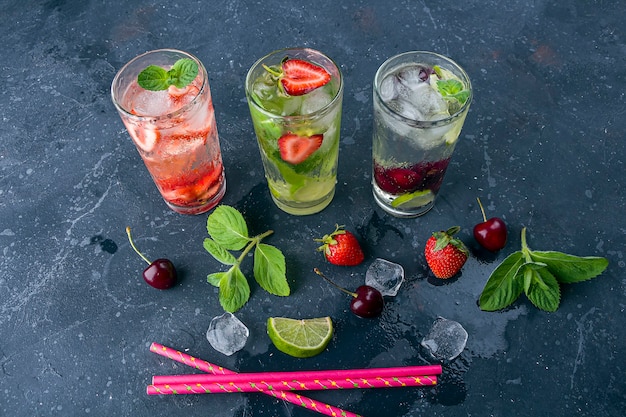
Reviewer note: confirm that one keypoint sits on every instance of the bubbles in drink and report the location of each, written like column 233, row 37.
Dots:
column 385, row 276
column 446, row 339
column 227, row 334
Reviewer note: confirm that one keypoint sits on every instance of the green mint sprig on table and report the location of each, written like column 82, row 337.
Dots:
column 229, row 232
column 538, row 274
column 155, row 78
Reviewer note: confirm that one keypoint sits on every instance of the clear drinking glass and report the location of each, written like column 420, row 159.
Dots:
column 421, row 100
column 297, row 186
column 174, row 131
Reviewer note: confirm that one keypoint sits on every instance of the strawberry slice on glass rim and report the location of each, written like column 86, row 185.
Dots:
column 299, row 77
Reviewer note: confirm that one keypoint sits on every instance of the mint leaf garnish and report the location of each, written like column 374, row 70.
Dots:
column 451, row 89
column 155, row 78
column 228, row 232
column 538, row 274
column 183, row 72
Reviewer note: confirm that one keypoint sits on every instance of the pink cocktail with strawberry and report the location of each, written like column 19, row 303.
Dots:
column 164, row 100
column 295, row 97
column 421, row 100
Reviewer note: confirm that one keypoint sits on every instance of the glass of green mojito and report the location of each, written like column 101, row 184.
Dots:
column 295, row 97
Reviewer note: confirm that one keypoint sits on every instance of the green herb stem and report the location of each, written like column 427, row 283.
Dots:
column 253, row 242
column 537, row 274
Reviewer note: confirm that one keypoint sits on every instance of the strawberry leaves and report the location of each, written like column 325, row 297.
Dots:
column 229, row 232
column 538, row 274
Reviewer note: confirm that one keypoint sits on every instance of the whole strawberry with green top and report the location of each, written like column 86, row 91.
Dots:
column 341, row 247
column 445, row 254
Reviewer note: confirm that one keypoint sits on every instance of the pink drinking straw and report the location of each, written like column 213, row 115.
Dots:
column 303, row 385
column 291, row 397
column 274, row 377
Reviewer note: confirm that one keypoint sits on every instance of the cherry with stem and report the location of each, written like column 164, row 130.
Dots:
column 159, row 274
column 491, row 233
column 367, row 302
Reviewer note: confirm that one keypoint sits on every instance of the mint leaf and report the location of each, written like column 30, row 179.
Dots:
column 219, row 252
column 234, row 290
column 269, row 270
column 215, row 278
column 229, row 231
column 183, row 72
column 569, row 268
column 453, row 89
column 538, row 274
column 155, row 78
column 504, row 286
column 228, row 228
column 543, row 291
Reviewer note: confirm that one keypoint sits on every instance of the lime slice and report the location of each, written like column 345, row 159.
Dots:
column 300, row 338
column 413, row 200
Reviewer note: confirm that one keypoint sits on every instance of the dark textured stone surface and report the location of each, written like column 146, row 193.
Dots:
column 543, row 147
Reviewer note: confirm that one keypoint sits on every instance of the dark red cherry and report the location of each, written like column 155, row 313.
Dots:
column 159, row 274
column 491, row 234
column 367, row 302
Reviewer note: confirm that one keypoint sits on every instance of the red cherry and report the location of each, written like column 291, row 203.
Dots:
column 159, row 274
column 492, row 233
column 367, row 302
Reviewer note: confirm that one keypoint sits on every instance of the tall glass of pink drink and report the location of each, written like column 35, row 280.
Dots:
column 174, row 131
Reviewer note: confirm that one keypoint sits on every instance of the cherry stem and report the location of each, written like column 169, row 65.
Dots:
column 134, row 247
column 318, row 272
column 481, row 208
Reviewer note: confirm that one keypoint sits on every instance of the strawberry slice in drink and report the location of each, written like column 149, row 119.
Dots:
column 300, row 77
column 296, row 149
column 145, row 137
column 192, row 189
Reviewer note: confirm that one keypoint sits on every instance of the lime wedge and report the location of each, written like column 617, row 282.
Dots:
column 300, row 338
column 413, row 200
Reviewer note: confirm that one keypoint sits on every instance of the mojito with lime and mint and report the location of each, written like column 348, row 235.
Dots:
column 295, row 97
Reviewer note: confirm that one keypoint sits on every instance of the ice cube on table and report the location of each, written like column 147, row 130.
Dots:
column 385, row 276
column 446, row 339
column 227, row 334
